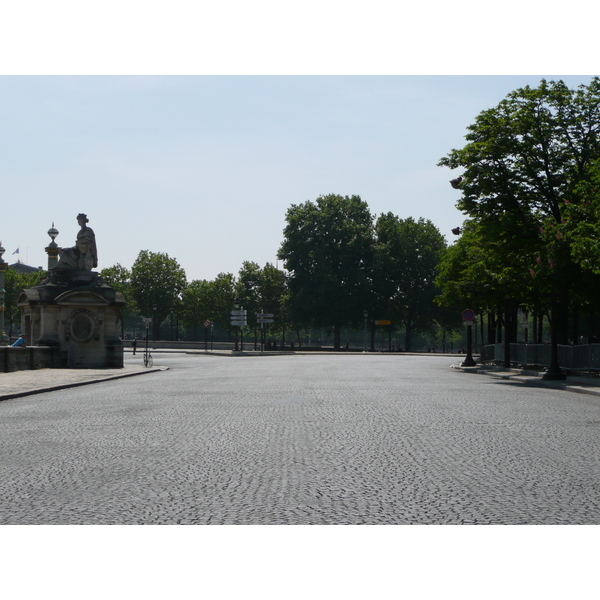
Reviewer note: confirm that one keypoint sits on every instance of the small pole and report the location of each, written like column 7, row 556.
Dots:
column 469, row 362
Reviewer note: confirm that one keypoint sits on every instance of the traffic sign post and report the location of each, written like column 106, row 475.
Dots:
column 239, row 319
column 262, row 319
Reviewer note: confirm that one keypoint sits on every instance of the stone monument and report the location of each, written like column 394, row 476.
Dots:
column 73, row 310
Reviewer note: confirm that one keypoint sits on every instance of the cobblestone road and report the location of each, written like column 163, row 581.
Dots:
column 301, row 440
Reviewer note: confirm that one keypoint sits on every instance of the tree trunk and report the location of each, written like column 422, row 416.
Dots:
column 337, row 336
column 499, row 326
column 481, row 329
column 507, row 336
column 562, row 310
column 491, row 327
column 408, row 337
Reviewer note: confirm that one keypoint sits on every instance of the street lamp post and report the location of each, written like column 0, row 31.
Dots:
column 468, row 318
column 468, row 315
column 366, row 315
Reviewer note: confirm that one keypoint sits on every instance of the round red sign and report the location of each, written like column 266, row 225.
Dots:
column 468, row 315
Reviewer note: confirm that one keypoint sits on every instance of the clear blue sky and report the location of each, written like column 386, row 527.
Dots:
column 204, row 167
column 191, row 130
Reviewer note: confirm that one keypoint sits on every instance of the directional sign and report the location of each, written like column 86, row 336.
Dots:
column 264, row 315
column 383, row 322
column 237, row 323
column 259, row 320
column 239, row 313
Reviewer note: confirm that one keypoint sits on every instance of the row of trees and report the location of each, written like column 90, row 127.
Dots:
column 343, row 263
column 530, row 184
column 530, row 191
column 340, row 264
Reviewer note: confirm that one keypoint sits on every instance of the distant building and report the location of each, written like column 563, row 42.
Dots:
column 21, row 268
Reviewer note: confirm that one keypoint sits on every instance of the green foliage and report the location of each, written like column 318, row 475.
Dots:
column 119, row 278
column 157, row 282
column 222, row 299
column 247, row 290
column 408, row 253
column 528, row 153
column 195, row 302
column 262, row 290
column 580, row 225
column 274, row 295
column 328, row 249
column 204, row 300
column 480, row 271
column 528, row 170
column 13, row 284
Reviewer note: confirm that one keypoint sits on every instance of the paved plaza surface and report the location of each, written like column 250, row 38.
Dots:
column 322, row 439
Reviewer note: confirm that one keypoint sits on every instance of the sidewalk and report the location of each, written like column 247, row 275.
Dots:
column 24, row 383
column 580, row 384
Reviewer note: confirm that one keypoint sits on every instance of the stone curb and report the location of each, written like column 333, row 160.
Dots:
column 577, row 385
column 64, row 386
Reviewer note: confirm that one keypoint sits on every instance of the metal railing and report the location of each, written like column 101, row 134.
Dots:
column 585, row 357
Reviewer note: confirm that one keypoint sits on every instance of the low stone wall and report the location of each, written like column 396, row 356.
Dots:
column 30, row 357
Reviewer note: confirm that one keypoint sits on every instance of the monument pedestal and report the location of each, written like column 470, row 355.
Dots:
column 78, row 314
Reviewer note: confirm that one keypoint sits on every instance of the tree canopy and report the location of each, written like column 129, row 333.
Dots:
column 328, row 249
column 527, row 171
column 157, row 281
column 408, row 253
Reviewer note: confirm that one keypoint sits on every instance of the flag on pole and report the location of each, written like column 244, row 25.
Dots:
column 16, row 251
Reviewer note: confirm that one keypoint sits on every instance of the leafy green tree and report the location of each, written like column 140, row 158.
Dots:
column 522, row 160
column 157, row 282
column 328, row 250
column 204, row 300
column 526, row 155
column 272, row 293
column 13, row 284
column 221, row 300
column 408, row 253
column 487, row 274
column 580, row 223
column 119, row 278
column 262, row 290
column 247, row 290
column 196, row 303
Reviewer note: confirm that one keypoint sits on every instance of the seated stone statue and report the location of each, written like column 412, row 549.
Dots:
column 78, row 258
